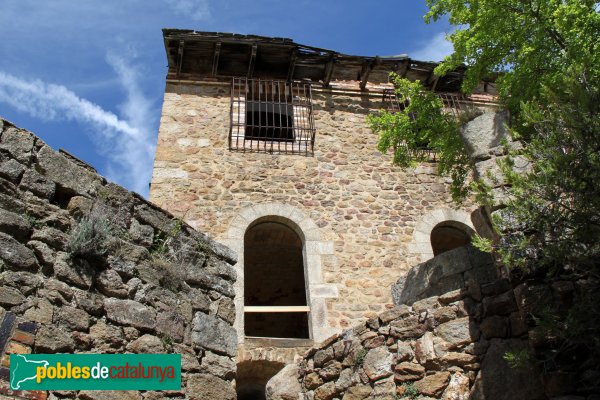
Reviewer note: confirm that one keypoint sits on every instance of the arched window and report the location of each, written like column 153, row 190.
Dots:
column 449, row 235
column 275, row 301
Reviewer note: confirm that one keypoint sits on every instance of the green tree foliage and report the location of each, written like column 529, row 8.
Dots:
column 422, row 125
column 546, row 55
column 533, row 43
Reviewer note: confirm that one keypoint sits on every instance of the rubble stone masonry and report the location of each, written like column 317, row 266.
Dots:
column 363, row 209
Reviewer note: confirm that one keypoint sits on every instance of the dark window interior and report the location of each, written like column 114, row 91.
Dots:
column 274, row 276
column 449, row 236
column 269, row 125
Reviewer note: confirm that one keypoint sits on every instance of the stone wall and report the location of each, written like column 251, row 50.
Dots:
column 88, row 267
column 364, row 209
column 433, row 346
column 455, row 322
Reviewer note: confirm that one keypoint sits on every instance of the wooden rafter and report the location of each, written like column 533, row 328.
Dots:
column 366, row 71
column 432, row 81
column 292, row 67
column 216, row 58
column 404, row 68
column 180, row 57
column 170, row 58
column 329, row 70
column 252, row 60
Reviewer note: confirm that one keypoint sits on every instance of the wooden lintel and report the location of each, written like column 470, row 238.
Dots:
column 252, row 60
column 274, row 309
column 329, row 70
column 292, row 67
column 366, row 71
column 180, row 56
column 216, row 58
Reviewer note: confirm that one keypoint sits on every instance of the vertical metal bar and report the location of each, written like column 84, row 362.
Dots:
column 231, row 111
column 280, row 116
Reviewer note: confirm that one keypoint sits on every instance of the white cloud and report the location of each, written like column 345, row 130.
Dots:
column 128, row 142
column 198, row 10
column 435, row 49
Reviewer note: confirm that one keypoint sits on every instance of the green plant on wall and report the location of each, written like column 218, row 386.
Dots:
column 359, row 357
column 410, row 391
column 89, row 237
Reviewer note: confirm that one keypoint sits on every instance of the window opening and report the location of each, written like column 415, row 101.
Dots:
column 447, row 236
column 271, row 116
column 275, row 301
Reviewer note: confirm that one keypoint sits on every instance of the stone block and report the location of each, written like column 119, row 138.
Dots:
column 213, row 334
column 11, row 170
column 494, row 326
column 221, row 366
column 37, row 184
column 433, row 385
column 75, row 271
column 10, row 297
column 458, row 332
column 204, row 386
column 50, row 339
column 71, row 177
column 73, row 318
column 501, row 304
column 146, row 344
column 408, row 371
column 19, row 143
column 377, row 363
column 14, row 225
column 16, row 255
column 130, row 312
column 485, row 133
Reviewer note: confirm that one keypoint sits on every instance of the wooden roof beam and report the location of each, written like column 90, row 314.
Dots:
column 366, row 71
column 170, row 59
column 432, row 81
column 252, row 60
column 329, row 70
column 292, row 67
column 404, row 68
column 216, row 58
column 180, row 57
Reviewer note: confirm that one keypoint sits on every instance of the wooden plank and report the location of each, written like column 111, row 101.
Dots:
column 261, row 342
column 274, row 309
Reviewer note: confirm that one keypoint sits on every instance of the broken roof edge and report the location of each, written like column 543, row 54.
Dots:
column 199, row 55
column 183, row 34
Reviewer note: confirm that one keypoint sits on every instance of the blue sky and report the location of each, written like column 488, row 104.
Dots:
column 88, row 76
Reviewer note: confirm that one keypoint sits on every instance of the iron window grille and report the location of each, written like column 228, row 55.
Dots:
column 271, row 116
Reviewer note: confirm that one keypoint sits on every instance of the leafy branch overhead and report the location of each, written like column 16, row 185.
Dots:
column 420, row 125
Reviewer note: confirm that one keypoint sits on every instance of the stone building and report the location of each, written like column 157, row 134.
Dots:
column 263, row 145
